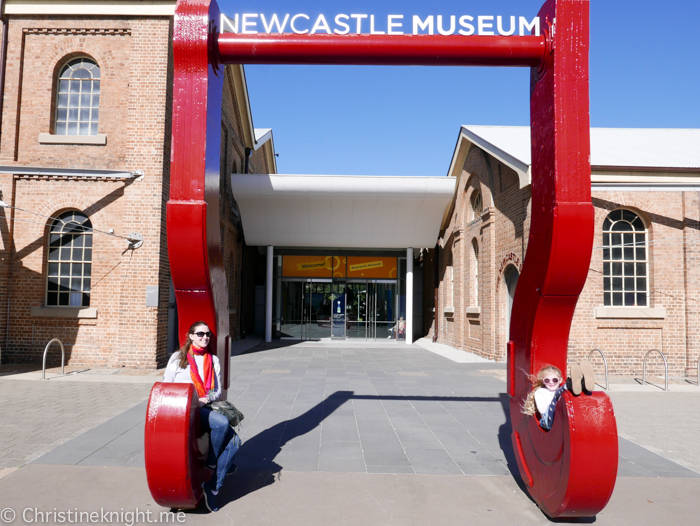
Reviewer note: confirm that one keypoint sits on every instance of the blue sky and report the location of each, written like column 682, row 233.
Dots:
column 645, row 73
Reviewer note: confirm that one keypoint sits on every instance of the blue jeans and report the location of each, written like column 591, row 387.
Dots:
column 223, row 444
column 548, row 416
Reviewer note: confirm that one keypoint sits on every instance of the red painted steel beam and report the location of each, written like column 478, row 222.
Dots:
column 382, row 50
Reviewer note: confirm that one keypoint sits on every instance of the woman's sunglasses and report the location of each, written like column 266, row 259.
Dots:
column 553, row 381
column 201, row 334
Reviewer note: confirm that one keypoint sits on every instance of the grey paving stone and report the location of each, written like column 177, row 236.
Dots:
column 344, row 465
column 341, row 450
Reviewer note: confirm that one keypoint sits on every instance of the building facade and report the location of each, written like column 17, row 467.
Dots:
column 84, row 161
column 644, row 279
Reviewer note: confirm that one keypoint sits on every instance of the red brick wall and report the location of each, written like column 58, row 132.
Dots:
column 501, row 232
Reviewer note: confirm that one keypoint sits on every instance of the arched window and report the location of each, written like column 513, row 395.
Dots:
column 69, row 261
column 78, row 98
column 625, row 279
column 477, row 205
column 474, row 271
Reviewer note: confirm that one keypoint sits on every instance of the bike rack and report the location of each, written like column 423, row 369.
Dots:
column 644, row 368
column 605, row 363
column 63, row 358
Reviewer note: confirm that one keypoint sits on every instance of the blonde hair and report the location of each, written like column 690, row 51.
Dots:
column 529, row 407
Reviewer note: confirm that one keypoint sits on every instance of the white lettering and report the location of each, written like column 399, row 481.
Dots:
column 419, row 24
column 359, row 22
column 321, row 24
column 228, row 25
column 533, row 27
column 371, row 27
column 248, row 23
column 485, row 27
column 346, row 28
column 441, row 30
column 499, row 24
column 464, row 22
column 391, row 24
column 274, row 21
column 291, row 24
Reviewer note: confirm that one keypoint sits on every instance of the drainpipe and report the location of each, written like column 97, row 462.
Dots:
column 3, row 58
column 437, row 288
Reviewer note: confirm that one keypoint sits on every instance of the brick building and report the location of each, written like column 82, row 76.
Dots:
column 84, row 164
column 643, row 287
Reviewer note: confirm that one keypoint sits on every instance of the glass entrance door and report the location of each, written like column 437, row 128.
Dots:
column 338, row 311
column 306, row 309
column 371, row 310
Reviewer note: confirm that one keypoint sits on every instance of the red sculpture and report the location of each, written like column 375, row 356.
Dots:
column 570, row 470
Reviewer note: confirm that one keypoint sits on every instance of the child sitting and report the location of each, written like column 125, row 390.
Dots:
column 548, row 386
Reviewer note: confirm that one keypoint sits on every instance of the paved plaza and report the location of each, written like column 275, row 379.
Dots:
column 338, row 433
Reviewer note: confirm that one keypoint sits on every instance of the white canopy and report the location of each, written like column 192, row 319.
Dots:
column 341, row 211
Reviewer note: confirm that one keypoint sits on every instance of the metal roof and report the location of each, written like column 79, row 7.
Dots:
column 670, row 148
column 341, row 210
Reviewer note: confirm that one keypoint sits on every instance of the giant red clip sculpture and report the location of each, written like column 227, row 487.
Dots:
column 570, row 470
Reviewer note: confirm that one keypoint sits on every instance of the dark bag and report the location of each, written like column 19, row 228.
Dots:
column 229, row 410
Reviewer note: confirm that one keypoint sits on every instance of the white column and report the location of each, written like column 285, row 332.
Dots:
column 409, row 295
column 268, row 296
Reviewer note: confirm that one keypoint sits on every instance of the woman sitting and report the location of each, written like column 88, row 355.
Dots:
column 195, row 364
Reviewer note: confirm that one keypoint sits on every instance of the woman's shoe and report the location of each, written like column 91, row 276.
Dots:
column 209, row 497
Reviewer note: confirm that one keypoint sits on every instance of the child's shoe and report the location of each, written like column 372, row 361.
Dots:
column 575, row 379
column 588, row 376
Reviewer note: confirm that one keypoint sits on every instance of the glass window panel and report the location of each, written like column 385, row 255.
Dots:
column 606, row 269
column 628, row 239
column 606, row 299
column 629, row 269
column 93, row 128
column 81, row 73
column 78, row 241
column 72, row 128
column 62, row 100
column 87, row 269
column 63, row 299
column 641, row 284
column 640, row 238
column 641, row 269
column 641, row 299
column 94, row 114
column 616, row 253
column 616, row 239
column 86, row 284
column 96, row 87
column 606, row 283
column 53, row 254
column 61, row 128
column 64, row 283
column 629, row 299
column 54, row 239
column 73, row 114
column 616, row 215
column 76, row 269
column 88, row 241
column 623, row 226
column 628, row 216
column 628, row 253
column 76, row 299
column 617, row 269
column 640, row 253
column 629, row 283
column 85, row 100
column 63, row 86
column 76, row 283
column 607, row 224
column 52, row 298
column 73, row 101
column 95, row 101
column 617, row 299
column 606, row 240
column 617, row 284
column 606, row 253
column 65, row 253
column 61, row 114
column 87, row 256
column 84, row 128
column 65, row 269
column 53, row 269
column 84, row 114
column 53, row 284
column 86, row 300
column 74, row 86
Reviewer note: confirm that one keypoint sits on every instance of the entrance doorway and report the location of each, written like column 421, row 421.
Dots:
column 316, row 309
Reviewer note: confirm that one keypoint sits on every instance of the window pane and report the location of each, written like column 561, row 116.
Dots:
column 73, row 114
column 64, row 284
column 629, row 269
column 62, row 100
column 75, row 284
column 628, row 216
column 640, row 238
column 629, row 284
column 93, row 128
column 61, row 128
column 86, row 284
column 85, row 101
column 86, row 300
column 78, row 241
column 94, row 114
column 63, row 86
column 606, row 269
column 76, row 270
column 617, row 299
column 606, row 253
column 87, row 255
column 52, row 298
column 606, row 299
column 88, row 242
column 642, row 299
column 72, row 128
column 63, row 299
column 87, row 269
column 65, row 269
column 641, row 284
column 640, row 253
column 607, row 224
column 53, row 254
column 616, row 253
column 53, row 269
column 61, row 114
column 617, row 284
column 622, row 226
column 53, row 284
column 74, row 86
column 76, row 299
column 95, row 101
column 606, row 283
column 81, row 73
column 73, row 101
column 617, row 269
column 629, row 299
column 616, row 239
column 641, row 269
column 628, row 253
column 84, row 114
column 84, row 128
column 615, row 215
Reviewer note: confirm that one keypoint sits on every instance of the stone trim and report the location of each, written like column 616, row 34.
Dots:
column 474, row 311
column 449, row 312
column 642, row 313
column 75, row 31
column 49, row 138
column 64, row 312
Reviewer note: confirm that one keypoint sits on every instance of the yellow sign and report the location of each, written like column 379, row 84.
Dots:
column 364, row 266
column 371, row 267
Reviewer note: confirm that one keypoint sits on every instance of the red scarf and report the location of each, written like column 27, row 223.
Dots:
column 201, row 387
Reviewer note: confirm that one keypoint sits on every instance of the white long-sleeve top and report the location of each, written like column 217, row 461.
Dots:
column 543, row 398
column 173, row 373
